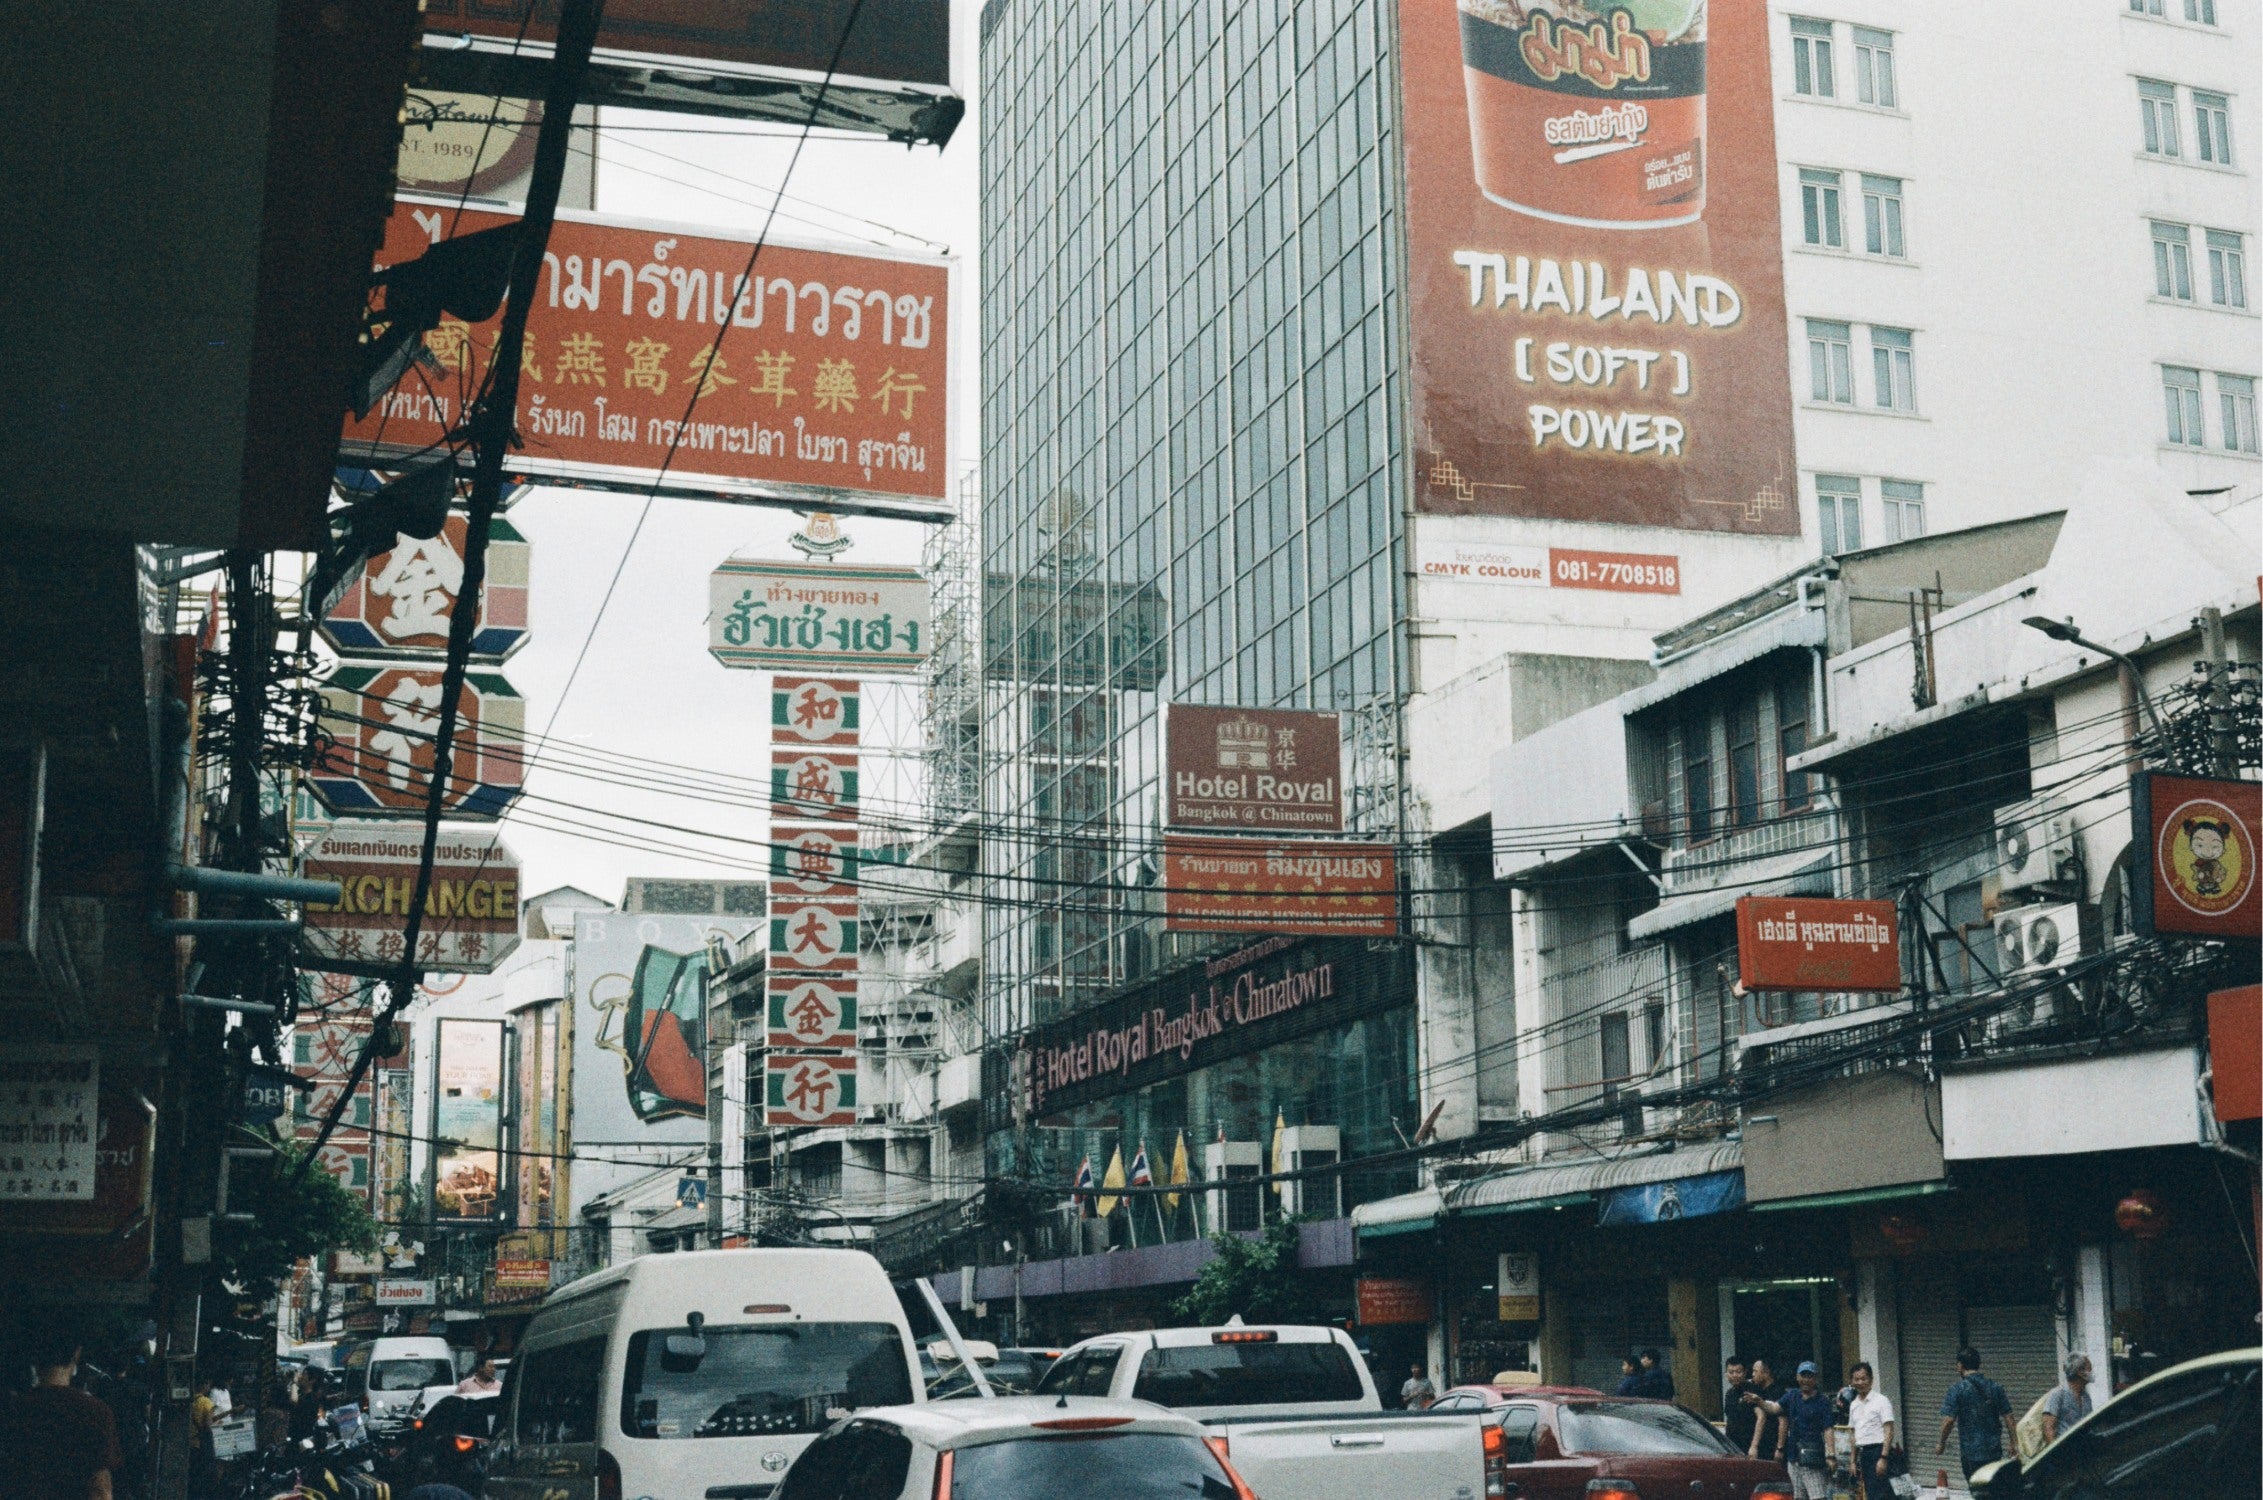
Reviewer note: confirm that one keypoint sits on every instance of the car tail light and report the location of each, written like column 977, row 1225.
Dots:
column 1496, row 1455
column 1082, row 1424
column 1245, row 1336
column 1771, row 1492
column 1612, row 1489
column 608, row 1476
column 1219, row 1446
column 943, row 1475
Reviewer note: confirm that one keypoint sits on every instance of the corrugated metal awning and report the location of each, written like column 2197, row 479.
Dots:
column 1791, row 626
column 1537, row 1186
column 1408, row 1213
column 1803, row 872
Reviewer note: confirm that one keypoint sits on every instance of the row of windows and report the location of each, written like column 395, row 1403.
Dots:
column 2226, row 251
column 1822, row 191
column 1839, row 508
column 2181, row 396
column 1831, row 365
column 2199, row 12
column 2211, row 123
column 1816, row 52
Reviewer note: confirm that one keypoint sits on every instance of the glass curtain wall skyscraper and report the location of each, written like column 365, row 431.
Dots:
column 1191, row 432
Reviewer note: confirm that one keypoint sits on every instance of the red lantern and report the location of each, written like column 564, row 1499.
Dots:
column 1904, row 1233
column 2140, row 1215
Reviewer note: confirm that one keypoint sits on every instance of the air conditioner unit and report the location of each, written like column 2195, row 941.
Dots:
column 2035, row 846
column 2038, row 939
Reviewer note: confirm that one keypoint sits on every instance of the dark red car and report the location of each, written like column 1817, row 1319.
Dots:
column 1571, row 1443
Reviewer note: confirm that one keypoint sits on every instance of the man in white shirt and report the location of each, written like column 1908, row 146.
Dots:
column 1871, row 1416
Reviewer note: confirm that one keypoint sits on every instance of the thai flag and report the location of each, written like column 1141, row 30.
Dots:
column 1141, row 1176
column 1083, row 1186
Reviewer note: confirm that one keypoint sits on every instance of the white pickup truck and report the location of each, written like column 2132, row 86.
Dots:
column 1293, row 1408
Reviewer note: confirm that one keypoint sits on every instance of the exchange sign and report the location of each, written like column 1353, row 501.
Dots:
column 403, row 600
column 818, row 617
column 1596, row 293
column 812, row 1089
column 655, row 362
column 471, row 912
column 383, row 718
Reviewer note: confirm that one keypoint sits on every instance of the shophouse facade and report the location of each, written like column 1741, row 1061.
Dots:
column 1989, row 1156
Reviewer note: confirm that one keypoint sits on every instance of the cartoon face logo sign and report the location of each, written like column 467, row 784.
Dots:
column 2205, row 858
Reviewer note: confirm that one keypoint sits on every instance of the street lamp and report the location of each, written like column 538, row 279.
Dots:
column 2064, row 630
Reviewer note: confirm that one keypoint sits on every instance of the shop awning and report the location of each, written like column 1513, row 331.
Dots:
column 1408, row 1213
column 1804, row 872
column 1859, row 1195
column 1524, row 1188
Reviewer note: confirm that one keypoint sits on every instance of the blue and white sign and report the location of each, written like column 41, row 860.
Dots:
column 1682, row 1198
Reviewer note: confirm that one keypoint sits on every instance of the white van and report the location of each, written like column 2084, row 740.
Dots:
column 404, row 1374
column 697, row 1375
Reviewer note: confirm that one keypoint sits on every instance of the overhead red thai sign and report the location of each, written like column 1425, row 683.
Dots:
column 471, row 910
column 1253, row 885
column 908, row 40
column 828, row 387
column 2198, row 876
column 1816, row 943
column 1268, row 770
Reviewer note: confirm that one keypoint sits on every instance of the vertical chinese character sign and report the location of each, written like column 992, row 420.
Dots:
column 810, row 1072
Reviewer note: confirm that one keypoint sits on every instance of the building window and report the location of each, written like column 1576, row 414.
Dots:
column 1893, row 367
column 1744, row 764
column 1838, row 512
column 1819, row 209
column 1697, row 776
column 2145, row 7
column 1882, row 216
column 2199, row 12
column 1874, row 68
column 1617, row 1059
column 2172, row 261
column 2158, row 104
column 1654, row 1034
column 1791, row 740
column 1812, row 69
column 2237, row 393
column 2180, row 393
column 2227, row 268
column 1904, row 501
column 2212, row 122
column 1830, row 360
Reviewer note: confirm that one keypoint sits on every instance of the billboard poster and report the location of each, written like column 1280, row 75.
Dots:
column 1595, row 265
column 828, row 387
column 467, row 1120
column 640, row 1044
column 1252, row 885
column 818, row 617
column 1814, row 943
column 1267, row 770
column 2199, row 878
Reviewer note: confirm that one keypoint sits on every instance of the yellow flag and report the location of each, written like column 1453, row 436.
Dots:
column 1280, row 1152
column 1114, row 1179
column 1179, row 1175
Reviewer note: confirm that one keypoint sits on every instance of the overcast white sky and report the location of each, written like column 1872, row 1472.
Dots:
column 648, row 687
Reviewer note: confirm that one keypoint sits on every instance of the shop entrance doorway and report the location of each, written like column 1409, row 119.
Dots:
column 1783, row 1321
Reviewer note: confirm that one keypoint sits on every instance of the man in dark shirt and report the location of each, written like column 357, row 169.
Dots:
column 1655, row 1381
column 56, row 1443
column 1630, row 1375
column 1740, row 1408
column 1980, row 1411
column 1808, row 1416
column 1768, row 1435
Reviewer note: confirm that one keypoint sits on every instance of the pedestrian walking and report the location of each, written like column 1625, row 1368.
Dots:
column 482, row 1381
column 2070, row 1403
column 1871, row 1416
column 1740, row 1404
column 1416, row 1392
column 1655, row 1381
column 56, row 1442
column 1980, row 1412
column 1769, row 1432
column 1808, row 1415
